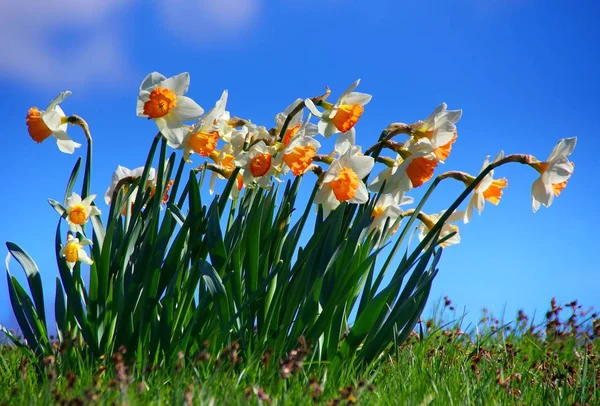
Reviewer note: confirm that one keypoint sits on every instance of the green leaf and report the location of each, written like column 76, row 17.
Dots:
column 33, row 278
column 72, row 180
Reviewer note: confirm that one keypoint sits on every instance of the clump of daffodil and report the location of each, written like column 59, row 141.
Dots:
column 73, row 251
column 41, row 124
column 79, row 211
column 163, row 100
column 554, row 174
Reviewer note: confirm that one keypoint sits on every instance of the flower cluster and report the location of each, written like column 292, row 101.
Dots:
column 259, row 156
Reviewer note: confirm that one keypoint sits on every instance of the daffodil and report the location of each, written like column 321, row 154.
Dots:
column 428, row 221
column 489, row 189
column 43, row 123
column 413, row 166
column 343, row 181
column 440, row 129
column 387, row 210
column 257, row 164
column 163, row 101
column 554, row 174
column 79, row 211
column 73, row 251
column 203, row 136
column 122, row 172
column 299, row 154
column 344, row 114
column 295, row 124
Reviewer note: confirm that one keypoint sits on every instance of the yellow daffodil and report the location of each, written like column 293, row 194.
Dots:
column 41, row 124
column 163, row 101
column 79, row 211
column 73, row 251
column 554, row 174
column 489, row 189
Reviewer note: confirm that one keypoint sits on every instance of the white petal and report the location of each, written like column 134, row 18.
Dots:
column 362, row 196
column 312, row 108
column 58, row 99
column 563, row 148
column 143, row 97
column 88, row 200
column 357, row 98
column 328, row 128
column 542, row 192
column 171, row 128
column 52, row 119
column 377, row 182
column 349, row 90
column 361, row 165
column 345, row 141
column 152, row 80
column 178, row 83
column 559, row 171
column 469, row 212
column 187, row 109
column 73, row 199
column 65, row 144
column 83, row 257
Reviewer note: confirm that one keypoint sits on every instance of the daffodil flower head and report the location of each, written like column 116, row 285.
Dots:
column 489, row 189
column 202, row 137
column 79, row 211
column 122, row 172
column 257, row 164
column 343, row 181
column 554, row 174
column 41, row 124
column 344, row 114
column 163, row 101
column 73, row 251
column 440, row 128
column 299, row 154
column 428, row 221
column 387, row 210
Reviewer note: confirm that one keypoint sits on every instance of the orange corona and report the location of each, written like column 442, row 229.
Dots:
column 204, row 143
column 347, row 116
column 161, row 101
column 38, row 130
column 346, row 185
column 260, row 165
column 300, row 158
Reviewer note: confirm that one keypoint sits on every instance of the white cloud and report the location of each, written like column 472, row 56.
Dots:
column 30, row 33
column 209, row 21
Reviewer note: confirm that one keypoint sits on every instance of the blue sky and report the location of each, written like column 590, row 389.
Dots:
column 523, row 71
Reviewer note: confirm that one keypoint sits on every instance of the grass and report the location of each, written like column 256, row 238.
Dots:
column 556, row 362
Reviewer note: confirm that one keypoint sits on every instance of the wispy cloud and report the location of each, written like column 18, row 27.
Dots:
column 30, row 34
column 209, row 21
column 31, row 52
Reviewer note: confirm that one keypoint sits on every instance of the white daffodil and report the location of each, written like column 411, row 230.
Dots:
column 387, row 210
column 554, row 174
column 299, row 154
column 428, row 222
column 122, row 172
column 343, row 115
column 43, row 123
column 257, row 164
column 440, row 129
column 163, row 101
column 296, row 123
column 79, row 211
column 489, row 189
column 73, row 251
column 343, row 181
column 413, row 166
column 203, row 136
